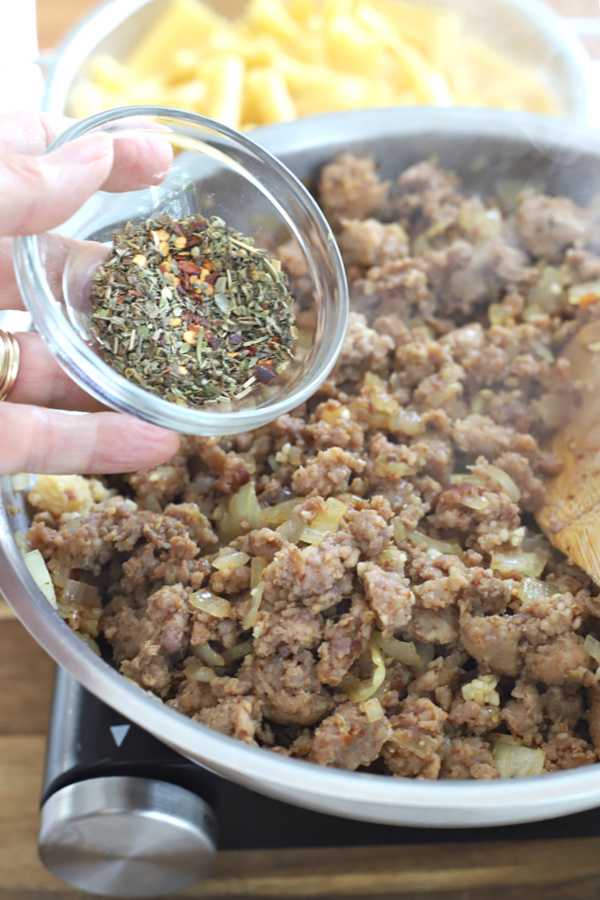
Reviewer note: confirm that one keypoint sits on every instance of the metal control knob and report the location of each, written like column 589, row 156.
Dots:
column 123, row 836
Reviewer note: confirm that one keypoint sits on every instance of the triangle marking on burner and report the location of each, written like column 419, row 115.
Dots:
column 119, row 733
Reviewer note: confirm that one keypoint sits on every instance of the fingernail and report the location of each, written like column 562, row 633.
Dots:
column 85, row 150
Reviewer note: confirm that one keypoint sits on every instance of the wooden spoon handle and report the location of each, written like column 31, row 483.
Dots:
column 570, row 518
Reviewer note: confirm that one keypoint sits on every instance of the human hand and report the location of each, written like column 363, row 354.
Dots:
column 38, row 193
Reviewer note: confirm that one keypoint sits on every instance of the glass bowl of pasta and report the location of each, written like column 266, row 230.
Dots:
column 257, row 63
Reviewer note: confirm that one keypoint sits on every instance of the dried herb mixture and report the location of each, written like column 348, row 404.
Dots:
column 192, row 311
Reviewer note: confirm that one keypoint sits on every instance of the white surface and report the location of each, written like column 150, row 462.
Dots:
column 594, row 113
column 21, row 81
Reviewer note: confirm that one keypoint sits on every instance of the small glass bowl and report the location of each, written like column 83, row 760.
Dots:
column 215, row 171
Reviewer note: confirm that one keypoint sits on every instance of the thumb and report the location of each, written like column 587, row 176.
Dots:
column 40, row 192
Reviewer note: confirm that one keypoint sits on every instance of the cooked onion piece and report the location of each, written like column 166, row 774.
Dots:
column 251, row 616
column 365, row 689
column 39, row 571
column 513, row 759
column 210, row 603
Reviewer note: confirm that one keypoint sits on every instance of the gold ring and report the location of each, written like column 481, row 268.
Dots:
column 9, row 363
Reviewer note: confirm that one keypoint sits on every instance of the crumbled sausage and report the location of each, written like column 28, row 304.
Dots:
column 377, row 533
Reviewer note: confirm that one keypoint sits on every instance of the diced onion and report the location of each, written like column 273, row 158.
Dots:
column 249, row 460
column 582, row 294
column 593, row 647
column 390, row 556
column 210, row 603
column 365, row 689
column 237, row 652
column 372, row 709
column 399, row 529
column 434, row 547
column 394, row 469
column 21, row 542
column 499, row 314
column 81, row 593
column 406, row 422
column 485, row 222
column 257, row 567
column 480, row 402
column 251, row 616
column 403, row 651
column 243, row 512
column 534, row 313
column 505, row 481
column 39, row 571
column 531, row 564
column 426, row 651
column 229, row 560
column 461, row 478
column 514, row 760
column 209, row 656
column 530, row 588
column 280, row 513
column 196, row 672
column 547, row 292
column 61, row 575
column 438, row 228
column 336, row 412
column 420, row 245
column 326, row 521
column 292, row 529
column 70, row 522
column 386, row 404
column 90, row 642
column 495, row 474
column 474, row 502
column 20, row 481
column 422, row 745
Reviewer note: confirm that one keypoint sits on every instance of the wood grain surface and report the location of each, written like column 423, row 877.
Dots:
column 553, row 870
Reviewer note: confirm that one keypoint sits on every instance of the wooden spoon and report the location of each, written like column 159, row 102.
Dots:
column 570, row 518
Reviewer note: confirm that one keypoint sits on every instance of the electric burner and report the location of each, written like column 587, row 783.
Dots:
column 123, row 815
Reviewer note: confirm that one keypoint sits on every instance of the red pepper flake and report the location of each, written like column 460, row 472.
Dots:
column 179, row 229
column 210, row 279
column 188, row 267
